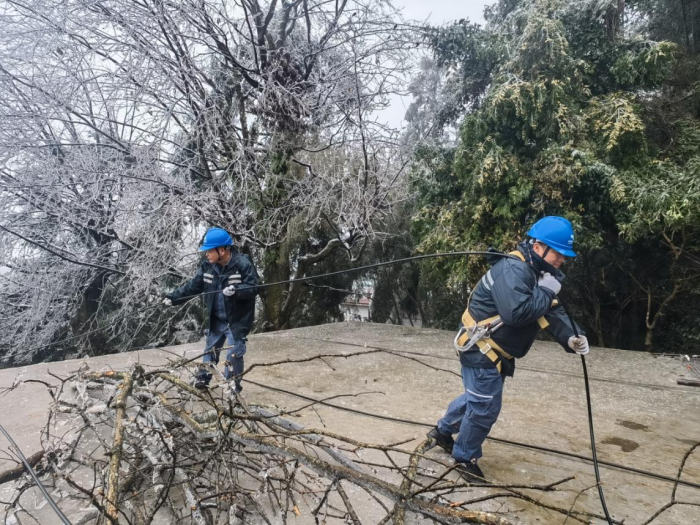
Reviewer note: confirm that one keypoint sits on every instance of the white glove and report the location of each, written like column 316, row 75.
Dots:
column 167, row 302
column 229, row 291
column 550, row 282
column 579, row 344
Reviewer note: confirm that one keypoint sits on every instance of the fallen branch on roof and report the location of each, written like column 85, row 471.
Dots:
column 17, row 472
column 146, row 447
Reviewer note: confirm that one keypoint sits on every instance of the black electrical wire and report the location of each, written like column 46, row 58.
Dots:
column 363, row 268
column 498, row 440
column 593, row 450
column 594, row 454
column 522, row 367
column 395, row 261
column 39, row 484
column 277, row 283
column 415, row 258
column 610, row 464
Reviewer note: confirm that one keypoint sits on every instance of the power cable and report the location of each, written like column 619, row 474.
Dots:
column 423, row 257
column 590, row 419
column 609, row 464
column 39, row 484
column 277, row 283
column 520, row 367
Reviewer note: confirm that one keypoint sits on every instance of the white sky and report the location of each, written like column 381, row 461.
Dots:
column 441, row 11
column 436, row 12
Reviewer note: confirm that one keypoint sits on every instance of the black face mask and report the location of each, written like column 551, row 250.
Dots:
column 538, row 263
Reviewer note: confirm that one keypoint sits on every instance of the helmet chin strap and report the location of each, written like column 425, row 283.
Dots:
column 546, row 248
column 219, row 257
column 544, row 253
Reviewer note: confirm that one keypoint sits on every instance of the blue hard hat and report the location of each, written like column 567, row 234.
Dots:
column 215, row 238
column 555, row 232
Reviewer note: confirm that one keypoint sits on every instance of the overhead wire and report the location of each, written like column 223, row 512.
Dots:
column 36, row 479
column 539, row 448
column 558, row 372
column 268, row 285
column 402, row 261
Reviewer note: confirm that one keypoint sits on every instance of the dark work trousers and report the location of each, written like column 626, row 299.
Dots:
column 473, row 413
column 219, row 332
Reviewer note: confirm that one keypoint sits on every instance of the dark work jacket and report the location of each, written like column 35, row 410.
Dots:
column 509, row 289
column 240, row 308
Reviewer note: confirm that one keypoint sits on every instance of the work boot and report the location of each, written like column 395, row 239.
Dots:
column 201, row 381
column 470, row 471
column 443, row 441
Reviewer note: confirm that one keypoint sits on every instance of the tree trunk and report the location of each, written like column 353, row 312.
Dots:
column 686, row 31
column 397, row 310
column 598, row 325
column 658, row 315
column 89, row 304
column 276, row 268
column 421, row 310
column 291, row 298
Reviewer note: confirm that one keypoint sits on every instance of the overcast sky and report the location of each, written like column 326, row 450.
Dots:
column 436, row 12
column 441, row 11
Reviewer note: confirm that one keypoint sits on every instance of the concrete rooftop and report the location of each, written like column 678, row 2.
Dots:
column 643, row 419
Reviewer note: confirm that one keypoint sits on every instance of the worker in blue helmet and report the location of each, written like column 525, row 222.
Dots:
column 229, row 282
column 513, row 301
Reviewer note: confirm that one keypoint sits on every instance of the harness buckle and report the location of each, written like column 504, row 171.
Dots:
column 459, row 348
column 475, row 333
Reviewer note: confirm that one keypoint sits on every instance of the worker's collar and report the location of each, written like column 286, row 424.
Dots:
column 538, row 263
column 230, row 257
column 224, row 266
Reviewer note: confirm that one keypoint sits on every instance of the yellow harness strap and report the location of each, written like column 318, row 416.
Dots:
column 489, row 347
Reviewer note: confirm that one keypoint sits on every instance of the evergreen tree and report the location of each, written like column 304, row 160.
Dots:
column 567, row 122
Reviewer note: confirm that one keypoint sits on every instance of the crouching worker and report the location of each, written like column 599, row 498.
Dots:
column 229, row 281
column 512, row 302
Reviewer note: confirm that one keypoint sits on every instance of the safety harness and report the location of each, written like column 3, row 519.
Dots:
column 476, row 335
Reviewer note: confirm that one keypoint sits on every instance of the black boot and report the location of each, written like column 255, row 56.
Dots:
column 202, row 379
column 470, row 471
column 443, row 441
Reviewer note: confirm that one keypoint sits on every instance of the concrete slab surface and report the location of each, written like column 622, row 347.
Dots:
column 643, row 419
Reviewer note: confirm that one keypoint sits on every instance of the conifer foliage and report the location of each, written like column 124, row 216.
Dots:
column 583, row 114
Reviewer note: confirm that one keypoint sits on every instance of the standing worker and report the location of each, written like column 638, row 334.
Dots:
column 230, row 282
column 512, row 302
